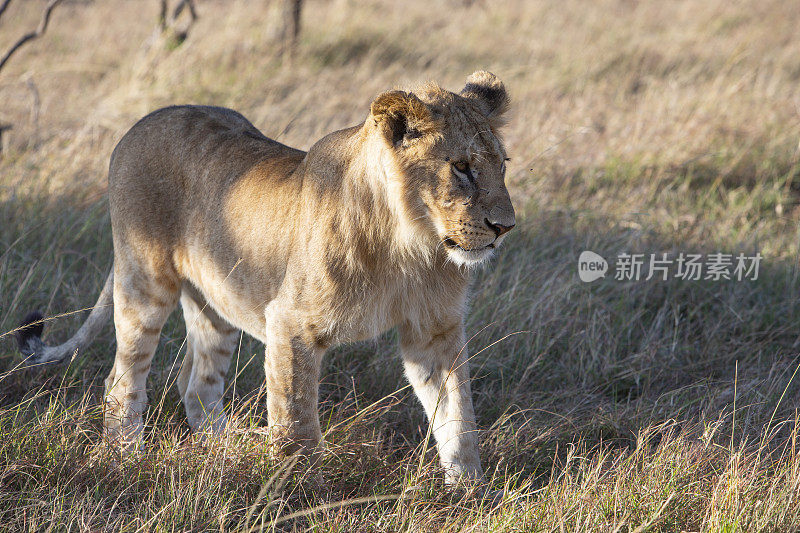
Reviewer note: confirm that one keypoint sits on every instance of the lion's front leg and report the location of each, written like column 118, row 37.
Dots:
column 437, row 367
column 292, row 368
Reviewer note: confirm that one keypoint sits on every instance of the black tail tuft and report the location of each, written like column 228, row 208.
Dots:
column 29, row 331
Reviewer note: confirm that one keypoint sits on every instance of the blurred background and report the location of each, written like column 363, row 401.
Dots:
column 696, row 94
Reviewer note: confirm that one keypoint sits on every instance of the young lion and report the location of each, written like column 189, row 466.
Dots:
column 376, row 226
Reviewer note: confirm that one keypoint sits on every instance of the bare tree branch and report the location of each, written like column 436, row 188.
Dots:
column 162, row 16
column 3, row 7
column 292, row 10
column 36, row 106
column 32, row 35
column 180, row 7
column 168, row 23
column 4, row 128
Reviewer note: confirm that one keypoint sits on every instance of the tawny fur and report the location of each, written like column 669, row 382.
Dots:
column 377, row 226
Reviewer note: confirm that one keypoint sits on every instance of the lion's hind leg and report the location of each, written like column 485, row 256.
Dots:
column 143, row 300
column 210, row 342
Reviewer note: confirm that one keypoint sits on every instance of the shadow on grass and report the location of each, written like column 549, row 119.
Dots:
column 556, row 361
column 597, row 362
column 355, row 49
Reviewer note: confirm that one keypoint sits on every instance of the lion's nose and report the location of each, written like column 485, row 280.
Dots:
column 499, row 229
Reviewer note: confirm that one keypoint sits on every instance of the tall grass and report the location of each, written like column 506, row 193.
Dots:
column 610, row 406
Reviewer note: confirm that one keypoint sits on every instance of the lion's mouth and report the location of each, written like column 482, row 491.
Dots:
column 450, row 243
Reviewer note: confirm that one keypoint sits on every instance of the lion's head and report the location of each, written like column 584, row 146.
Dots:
column 447, row 162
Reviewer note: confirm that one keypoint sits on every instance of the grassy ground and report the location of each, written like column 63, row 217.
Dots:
column 612, row 406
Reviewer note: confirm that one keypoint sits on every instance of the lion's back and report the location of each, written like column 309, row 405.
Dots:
column 183, row 159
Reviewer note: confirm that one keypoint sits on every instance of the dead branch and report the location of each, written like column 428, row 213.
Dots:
column 3, row 128
column 162, row 15
column 292, row 11
column 36, row 106
column 168, row 23
column 32, row 35
column 3, row 7
column 180, row 7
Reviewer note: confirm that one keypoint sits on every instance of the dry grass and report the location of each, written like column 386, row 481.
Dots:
column 637, row 126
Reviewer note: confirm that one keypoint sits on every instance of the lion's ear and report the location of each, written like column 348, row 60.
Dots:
column 402, row 116
column 487, row 89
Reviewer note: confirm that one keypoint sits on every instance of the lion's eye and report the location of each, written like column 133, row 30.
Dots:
column 461, row 166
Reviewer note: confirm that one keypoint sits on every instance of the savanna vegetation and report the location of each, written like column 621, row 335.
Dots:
column 636, row 127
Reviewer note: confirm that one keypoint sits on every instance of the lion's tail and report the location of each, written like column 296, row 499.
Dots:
column 29, row 334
